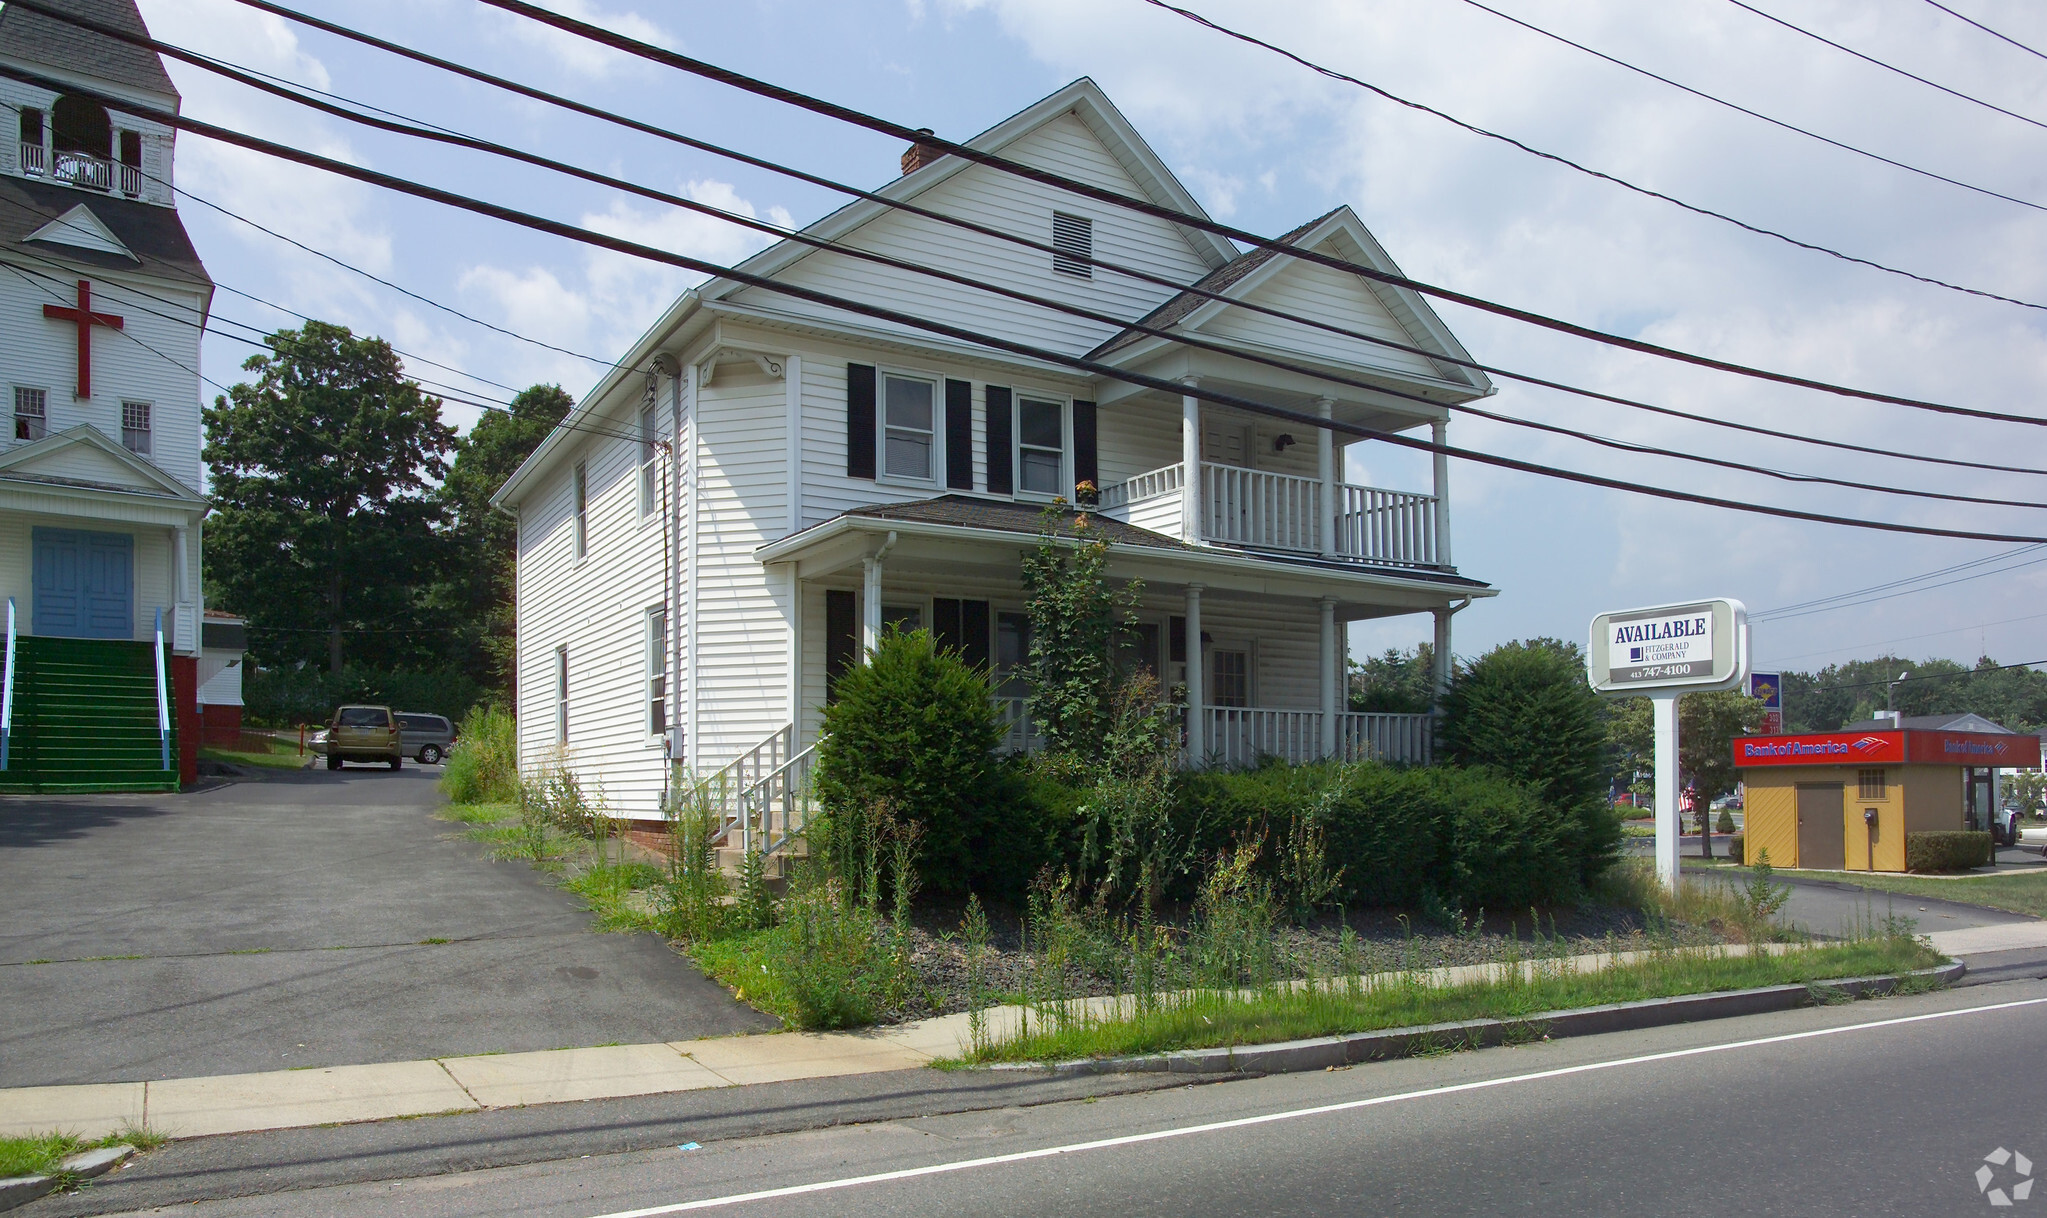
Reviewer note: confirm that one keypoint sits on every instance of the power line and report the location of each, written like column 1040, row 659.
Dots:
column 459, row 139
column 1909, row 579
column 1932, row 676
column 1930, row 634
column 1045, row 177
column 1888, row 67
column 1986, row 29
column 1871, row 600
column 1136, row 273
column 1694, row 208
column 978, row 338
column 1774, row 122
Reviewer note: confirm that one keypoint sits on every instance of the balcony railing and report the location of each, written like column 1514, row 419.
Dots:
column 81, row 169
column 1282, row 512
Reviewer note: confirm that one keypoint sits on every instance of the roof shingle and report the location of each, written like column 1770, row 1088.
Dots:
column 58, row 44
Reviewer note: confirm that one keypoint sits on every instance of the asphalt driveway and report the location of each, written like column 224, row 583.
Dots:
column 306, row 919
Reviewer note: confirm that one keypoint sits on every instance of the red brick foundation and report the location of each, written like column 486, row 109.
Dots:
column 185, row 705
column 220, row 727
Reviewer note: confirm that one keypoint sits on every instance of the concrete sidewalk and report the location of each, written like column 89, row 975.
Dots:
column 285, row 1099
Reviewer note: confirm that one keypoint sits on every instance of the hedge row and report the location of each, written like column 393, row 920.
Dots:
column 1462, row 838
column 1955, row 851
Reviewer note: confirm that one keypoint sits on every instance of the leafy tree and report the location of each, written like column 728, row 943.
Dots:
column 1707, row 724
column 478, row 591
column 1525, row 709
column 323, row 474
column 913, row 732
column 1076, row 617
column 2026, row 789
column 1396, row 683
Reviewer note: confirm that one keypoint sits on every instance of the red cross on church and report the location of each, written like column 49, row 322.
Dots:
column 85, row 319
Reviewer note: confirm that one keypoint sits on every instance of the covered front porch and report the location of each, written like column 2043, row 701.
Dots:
column 1251, row 647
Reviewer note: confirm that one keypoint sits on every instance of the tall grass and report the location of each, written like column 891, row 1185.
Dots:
column 483, row 766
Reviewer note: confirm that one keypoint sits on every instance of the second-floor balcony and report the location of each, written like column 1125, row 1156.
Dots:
column 1285, row 513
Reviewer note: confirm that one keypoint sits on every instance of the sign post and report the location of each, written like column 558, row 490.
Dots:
column 1768, row 688
column 1663, row 652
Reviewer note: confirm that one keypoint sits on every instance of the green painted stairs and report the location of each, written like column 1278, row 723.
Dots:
column 85, row 718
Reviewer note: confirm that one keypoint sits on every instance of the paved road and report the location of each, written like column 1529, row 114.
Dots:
column 280, row 923
column 1833, row 907
column 1870, row 1108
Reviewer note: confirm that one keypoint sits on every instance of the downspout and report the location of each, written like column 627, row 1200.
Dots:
column 672, row 571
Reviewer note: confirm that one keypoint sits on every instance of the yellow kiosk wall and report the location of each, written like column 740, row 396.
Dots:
column 1916, row 799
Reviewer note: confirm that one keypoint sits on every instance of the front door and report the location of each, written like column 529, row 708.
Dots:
column 1822, row 842
column 1225, row 443
column 84, row 584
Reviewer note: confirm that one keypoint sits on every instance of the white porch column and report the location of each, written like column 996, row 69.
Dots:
column 1332, row 694
column 1441, row 658
column 1197, row 744
column 1190, row 462
column 181, row 566
column 1326, row 459
column 870, row 607
column 795, row 656
column 1440, row 432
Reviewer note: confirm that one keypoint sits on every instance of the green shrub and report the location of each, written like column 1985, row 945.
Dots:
column 1736, row 849
column 283, row 697
column 1726, row 822
column 483, row 766
column 826, row 962
column 1525, row 709
column 1955, row 851
column 913, row 731
column 1441, row 837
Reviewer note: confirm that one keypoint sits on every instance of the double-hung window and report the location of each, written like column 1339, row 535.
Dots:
column 31, row 412
column 657, row 671
column 561, row 694
column 650, row 450
column 1040, row 446
column 135, row 427
column 1229, row 678
column 908, row 438
column 581, row 527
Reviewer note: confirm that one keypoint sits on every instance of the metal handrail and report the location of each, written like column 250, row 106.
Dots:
column 758, row 803
column 7, row 689
column 163, row 694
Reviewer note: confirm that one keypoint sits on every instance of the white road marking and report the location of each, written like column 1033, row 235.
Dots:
column 1160, row 1135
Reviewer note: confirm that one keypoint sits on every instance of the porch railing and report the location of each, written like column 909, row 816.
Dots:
column 7, row 693
column 1019, row 731
column 32, row 159
column 735, row 778
column 83, row 169
column 1282, row 512
column 1236, row 735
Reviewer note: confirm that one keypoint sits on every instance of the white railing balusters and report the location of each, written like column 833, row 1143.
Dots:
column 786, row 788
column 1239, row 735
column 1260, row 510
column 7, row 694
column 726, row 787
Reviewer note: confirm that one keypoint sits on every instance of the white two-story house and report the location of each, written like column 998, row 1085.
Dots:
column 734, row 515
column 102, row 303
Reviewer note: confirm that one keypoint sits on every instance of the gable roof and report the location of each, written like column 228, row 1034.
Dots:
column 136, row 476
column 154, row 237
column 1084, row 100
column 1340, row 225
column 1967, row 721
column 34, row 38
column 81, row 229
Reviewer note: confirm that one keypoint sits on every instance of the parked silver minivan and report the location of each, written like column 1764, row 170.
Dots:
column 425, row 737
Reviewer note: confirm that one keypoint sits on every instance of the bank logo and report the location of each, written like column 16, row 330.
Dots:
column 1867, row 743
column 1998, row 1164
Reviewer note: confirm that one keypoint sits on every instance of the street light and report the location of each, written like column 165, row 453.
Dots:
column 1891, row 696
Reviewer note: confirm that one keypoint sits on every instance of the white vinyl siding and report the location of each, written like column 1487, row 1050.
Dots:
column 1307, row 289
column 1008, row 204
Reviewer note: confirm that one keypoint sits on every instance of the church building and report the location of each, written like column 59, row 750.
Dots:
column 102, row 304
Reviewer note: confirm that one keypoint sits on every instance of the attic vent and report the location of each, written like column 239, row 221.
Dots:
column 1073, row 237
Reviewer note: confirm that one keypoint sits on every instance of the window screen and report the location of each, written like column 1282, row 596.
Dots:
column 907, row 435
column 31, row 413
column 1040, row 446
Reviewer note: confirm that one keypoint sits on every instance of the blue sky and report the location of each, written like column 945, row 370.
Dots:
column 1266, row 144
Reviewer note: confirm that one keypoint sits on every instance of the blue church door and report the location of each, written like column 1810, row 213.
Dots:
column 84, row 584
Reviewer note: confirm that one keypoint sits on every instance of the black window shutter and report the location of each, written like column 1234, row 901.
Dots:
column 1086, row 466
column 840, row 643
column 1000, row 480
column 959, row 435
column 860, row 420
column 974, row 634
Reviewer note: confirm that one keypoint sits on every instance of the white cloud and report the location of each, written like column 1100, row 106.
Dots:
column 576, row 54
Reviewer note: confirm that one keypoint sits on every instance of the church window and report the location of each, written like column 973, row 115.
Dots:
column 31, row 412
column 32, row 161
column 80, row 124
column 135, row 427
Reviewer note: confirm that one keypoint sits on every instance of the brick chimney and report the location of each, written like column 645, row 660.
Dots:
column 920, row 154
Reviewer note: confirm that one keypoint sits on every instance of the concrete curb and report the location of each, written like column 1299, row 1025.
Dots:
column 23, row 1189
column 82, row 1166
column 1328, row 1052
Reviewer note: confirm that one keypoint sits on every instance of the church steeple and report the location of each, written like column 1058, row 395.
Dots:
column 72, row 138
column 60, row 48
